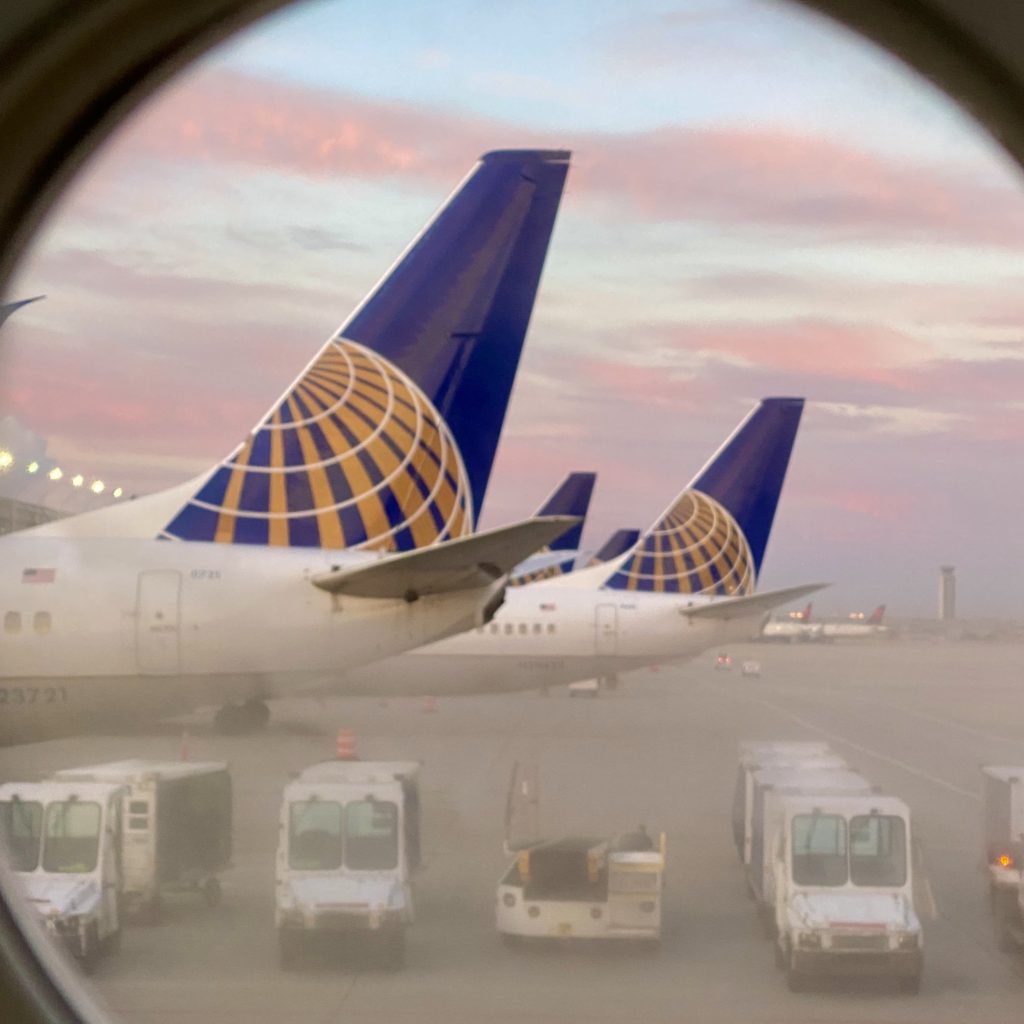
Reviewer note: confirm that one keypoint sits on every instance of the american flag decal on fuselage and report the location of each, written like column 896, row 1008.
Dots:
column 38, row 575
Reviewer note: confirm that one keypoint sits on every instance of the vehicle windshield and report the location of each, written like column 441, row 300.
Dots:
column 878, row 850
column 21, row 824
column 314, row 835
column 371, row 835
column 72, row 837
column 819, row 849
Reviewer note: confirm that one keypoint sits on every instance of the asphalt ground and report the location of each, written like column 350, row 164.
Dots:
column 661, row 749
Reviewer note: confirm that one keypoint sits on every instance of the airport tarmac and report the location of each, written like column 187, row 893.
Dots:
column 661, row 749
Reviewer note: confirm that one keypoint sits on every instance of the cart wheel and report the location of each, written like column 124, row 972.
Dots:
column 288, row 948
column 212, row 892
column 394, row 949
column 91, row 951
column 112, row 943
column 152, row 910
column 911, row 984
column 796, row 980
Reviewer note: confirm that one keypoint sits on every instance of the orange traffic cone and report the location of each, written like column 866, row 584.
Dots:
column 345, row 746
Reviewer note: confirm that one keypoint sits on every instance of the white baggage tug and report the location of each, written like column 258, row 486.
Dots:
column 585, row 888
column 348, row 846
column 176, row 826
column 843, row 877
column 64, row 842
column 1004, row 851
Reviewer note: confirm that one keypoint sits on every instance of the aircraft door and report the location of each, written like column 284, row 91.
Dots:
column 157, row 622
column 606, row 629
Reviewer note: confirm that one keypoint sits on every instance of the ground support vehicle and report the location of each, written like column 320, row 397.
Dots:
column 1003, row 793
column 756, row 754
column 844, row 878
column 585, row 688
column 64, row 843
column 583, row 887
column 770, row 786
column 347, row 851
column 176, row 827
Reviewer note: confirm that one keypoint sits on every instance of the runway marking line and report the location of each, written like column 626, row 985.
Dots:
column 871, row 752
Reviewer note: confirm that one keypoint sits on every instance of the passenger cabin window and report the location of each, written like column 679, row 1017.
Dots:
column 41, row 622
column 509, row 629
column 12, row 622
column 551, row 627
column 537, row 628
column 523, row 628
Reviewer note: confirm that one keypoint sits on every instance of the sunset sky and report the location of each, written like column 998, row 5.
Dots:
column 758, row 204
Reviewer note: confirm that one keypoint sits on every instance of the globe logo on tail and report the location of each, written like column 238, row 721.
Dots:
column 696, row 548
column 353, row 456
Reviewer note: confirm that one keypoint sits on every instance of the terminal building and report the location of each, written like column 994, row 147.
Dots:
column 19, row 515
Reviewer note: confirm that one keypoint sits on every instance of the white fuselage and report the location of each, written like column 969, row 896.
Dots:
column 548, row 634
column 852, row 630
column 793, row 632
column 94, row 630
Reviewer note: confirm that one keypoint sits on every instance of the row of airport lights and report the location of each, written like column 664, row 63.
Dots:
column 8, row 463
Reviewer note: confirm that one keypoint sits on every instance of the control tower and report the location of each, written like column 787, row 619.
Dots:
column 947, row 592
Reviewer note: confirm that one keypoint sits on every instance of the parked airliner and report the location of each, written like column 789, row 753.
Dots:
column 686, row 586
column 233, row 586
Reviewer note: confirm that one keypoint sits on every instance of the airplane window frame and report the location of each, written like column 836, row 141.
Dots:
column 71, row 72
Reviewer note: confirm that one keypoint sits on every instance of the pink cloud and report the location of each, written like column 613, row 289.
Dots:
column 810, row 347
column 726, row 175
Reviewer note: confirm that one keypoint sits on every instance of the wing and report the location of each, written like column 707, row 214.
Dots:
column 462, row 564
column 751, row 604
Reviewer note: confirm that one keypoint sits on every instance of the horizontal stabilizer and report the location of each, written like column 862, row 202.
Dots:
column 462, row 564
column 7, row 308
column 751, row 604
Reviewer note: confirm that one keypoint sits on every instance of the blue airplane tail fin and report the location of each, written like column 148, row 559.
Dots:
column 570, row 498
column 617, row 544
column 387, row 438
column 712, row 539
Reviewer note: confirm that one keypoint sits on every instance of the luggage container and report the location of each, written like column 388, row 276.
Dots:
column 64, row 844
column 756, row 754
column 844, row 877
column 584, row 887
column 177, row 827
column 348, row 848
column 1003, row 794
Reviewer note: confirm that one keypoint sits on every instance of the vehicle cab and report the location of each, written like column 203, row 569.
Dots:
column 757, row 754
column 844, row 889
column 64, row 842
column 348, row 846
